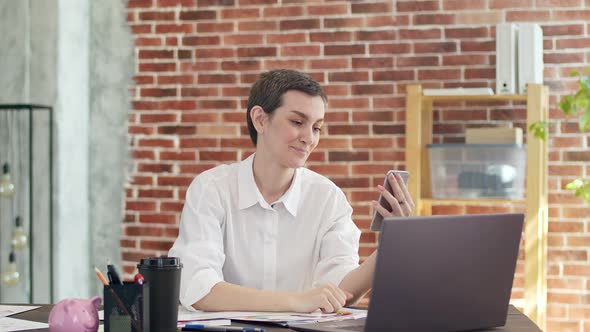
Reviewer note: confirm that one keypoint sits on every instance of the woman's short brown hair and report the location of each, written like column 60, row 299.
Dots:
column 267, row 92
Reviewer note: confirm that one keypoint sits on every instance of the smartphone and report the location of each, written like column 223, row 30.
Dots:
column 377, row 217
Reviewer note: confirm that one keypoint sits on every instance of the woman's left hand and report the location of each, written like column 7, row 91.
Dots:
column 401, row 202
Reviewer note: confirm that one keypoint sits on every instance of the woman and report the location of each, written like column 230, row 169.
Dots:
column 267, row 234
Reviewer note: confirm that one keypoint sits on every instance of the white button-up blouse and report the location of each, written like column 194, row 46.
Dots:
column 228, row 232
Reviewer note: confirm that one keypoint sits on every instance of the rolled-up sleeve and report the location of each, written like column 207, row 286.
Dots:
column 200, row 242
column 339, row 244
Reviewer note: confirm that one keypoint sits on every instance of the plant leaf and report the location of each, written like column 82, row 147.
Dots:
column 539, row 129
column 581, row 189
column 585, row 84
column 574, row 185
column 584, row 121
column 570, row 105
column 566, row 105
column 580, row 101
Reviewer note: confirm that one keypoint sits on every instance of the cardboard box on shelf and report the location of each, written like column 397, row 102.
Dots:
column 493, row 136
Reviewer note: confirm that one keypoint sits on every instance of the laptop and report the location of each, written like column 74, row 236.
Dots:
column 440, row 273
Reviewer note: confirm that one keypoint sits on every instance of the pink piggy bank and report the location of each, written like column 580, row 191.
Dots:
column 75, row 315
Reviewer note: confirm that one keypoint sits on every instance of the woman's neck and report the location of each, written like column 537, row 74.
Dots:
column 272, row 179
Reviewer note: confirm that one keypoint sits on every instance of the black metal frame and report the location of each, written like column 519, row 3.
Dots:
column 31, row 108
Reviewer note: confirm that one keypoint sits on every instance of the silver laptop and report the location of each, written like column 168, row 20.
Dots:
column 440, row 273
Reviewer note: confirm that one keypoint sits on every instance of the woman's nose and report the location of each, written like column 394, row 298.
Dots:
column 306, row 135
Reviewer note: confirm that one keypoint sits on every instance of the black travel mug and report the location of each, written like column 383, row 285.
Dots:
column 163, row 276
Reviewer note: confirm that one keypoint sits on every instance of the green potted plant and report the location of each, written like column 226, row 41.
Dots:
column 576, row 104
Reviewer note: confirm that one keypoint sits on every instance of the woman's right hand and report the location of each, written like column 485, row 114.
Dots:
column 328, row 298
column 401, row 202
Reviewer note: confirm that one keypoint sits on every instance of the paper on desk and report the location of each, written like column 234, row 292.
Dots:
column 182, row 322
column 8, row 324
column 211, row 322
column 281, row 318
column 185, row 315
column 284, row 319
column 7, row 310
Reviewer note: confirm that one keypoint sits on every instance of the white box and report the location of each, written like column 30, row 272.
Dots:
column 530, row 55
column 477, row 170
column 458, row 92
column 506, row 58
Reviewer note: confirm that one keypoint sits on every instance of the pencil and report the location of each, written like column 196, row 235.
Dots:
column 101, row 276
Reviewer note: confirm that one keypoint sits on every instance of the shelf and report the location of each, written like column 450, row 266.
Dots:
column 419, row 127
column 476, row 98
column 475, row 201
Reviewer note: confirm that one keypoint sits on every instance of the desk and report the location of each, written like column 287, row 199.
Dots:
column 516, row 321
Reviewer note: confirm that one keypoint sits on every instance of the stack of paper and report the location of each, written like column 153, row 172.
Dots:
column 285, row 319
column 12, row 324
column 210, row 322
column 8, row 324
column 280, row 318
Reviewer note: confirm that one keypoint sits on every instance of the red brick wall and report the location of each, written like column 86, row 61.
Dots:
column 195, row 61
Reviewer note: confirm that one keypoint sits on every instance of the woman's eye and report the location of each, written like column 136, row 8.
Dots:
column 297, row 123
column 317, row 129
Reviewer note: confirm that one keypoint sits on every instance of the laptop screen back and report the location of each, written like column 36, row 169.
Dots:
column 444, row 273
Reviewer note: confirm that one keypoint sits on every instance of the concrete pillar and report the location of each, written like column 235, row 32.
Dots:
column 72, row 245
column 111, row 72
column 76, row 55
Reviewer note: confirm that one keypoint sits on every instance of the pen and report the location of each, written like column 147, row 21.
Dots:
column 116, row 298
column 343, row 313
column 113, row 275
column 138, row 279
column 201, row 327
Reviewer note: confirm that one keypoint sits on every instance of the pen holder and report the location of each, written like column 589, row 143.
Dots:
column 127, row 307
